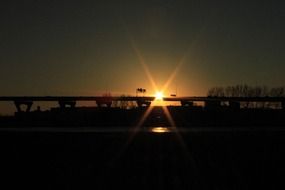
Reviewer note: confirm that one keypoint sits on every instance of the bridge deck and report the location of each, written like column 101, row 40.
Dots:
column 134, row 98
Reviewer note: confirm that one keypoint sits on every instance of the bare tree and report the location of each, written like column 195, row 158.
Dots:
column 216, row 92
column 243, row 90
column 277, row 92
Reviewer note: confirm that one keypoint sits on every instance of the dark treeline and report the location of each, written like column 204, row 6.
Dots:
column 125, row 104
column 243, row 90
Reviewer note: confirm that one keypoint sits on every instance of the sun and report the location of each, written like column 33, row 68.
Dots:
column 159, row 95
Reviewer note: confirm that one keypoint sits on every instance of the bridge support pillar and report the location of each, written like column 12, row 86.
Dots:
column 66, row 104
column 212, row 104
column 19, row 104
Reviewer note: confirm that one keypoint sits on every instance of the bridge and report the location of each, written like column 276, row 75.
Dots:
column 70, row 101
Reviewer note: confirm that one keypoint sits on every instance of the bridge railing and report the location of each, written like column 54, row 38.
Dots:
column 70, row 101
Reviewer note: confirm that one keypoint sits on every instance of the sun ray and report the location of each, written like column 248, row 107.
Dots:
column 133, row 133
column 155, row 88
column 169, row 117
column 149, row 108
column 179, row 136
column 144, row 117
column 138, row 54
column 144, row 65
column 172, row 76
column 183, row 59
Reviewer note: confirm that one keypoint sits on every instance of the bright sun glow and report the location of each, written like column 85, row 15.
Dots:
column 158, row 96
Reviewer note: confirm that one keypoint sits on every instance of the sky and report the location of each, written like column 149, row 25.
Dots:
column 94, row 47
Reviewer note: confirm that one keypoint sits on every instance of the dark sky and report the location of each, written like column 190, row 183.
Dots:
column 91, row 47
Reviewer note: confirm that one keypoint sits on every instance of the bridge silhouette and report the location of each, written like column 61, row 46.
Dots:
column 70, row 101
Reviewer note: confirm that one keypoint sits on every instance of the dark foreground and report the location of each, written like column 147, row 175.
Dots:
column 197, row 159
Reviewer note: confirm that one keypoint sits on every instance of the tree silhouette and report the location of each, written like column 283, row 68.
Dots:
column 243, row 90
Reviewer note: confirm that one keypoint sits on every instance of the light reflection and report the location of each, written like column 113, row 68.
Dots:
column 160, row 130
